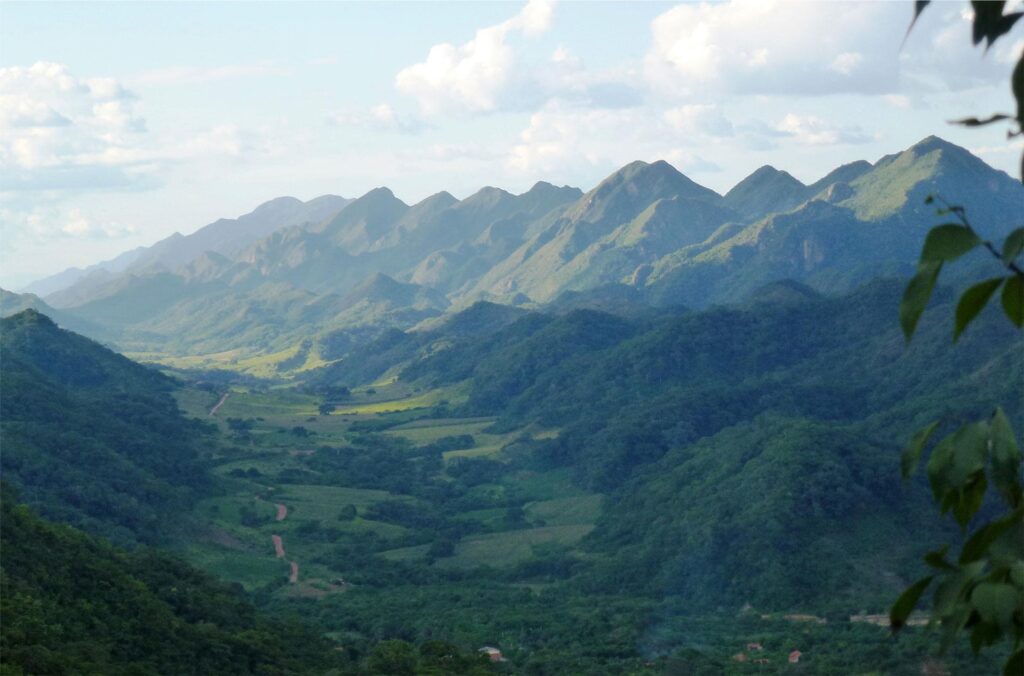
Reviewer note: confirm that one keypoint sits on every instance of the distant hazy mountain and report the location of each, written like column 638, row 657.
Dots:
column 647, row 233
column 848, row 232
column 12, row 303
column 226, row 236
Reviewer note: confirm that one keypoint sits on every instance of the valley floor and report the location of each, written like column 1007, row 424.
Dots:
column 339, row 518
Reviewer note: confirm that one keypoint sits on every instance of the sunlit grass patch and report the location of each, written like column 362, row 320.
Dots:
column 500, row 550
column 583, row 509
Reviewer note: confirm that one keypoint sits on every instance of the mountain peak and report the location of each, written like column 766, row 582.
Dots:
column 766, row 190
column 379, row 193
column 28, row 317
column 932, row 142
column 277, row 203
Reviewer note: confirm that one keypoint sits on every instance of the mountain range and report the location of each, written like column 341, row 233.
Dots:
column 290, row 271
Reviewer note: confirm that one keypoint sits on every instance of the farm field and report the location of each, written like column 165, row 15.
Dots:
column 280, row 484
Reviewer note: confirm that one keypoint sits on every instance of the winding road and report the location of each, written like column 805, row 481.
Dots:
column 282, row 513
column 213, row 411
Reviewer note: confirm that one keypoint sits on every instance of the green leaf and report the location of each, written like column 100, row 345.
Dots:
column 977, row 546
column 1015, row 665
column 972, row 302
column 912, row 453
column 1013, row 245
column 989, row 21
column 906, row 603
column 1013, row 299
column 975, row 122
column 948, row 242
column 958, row 459
column 983, row 634
column 1005, row 459
column 937, row 559
column 919, row 6
column 995, row 602
column 916, row 296
column 969, row 500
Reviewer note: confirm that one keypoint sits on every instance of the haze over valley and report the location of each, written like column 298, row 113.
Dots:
column 714, row 366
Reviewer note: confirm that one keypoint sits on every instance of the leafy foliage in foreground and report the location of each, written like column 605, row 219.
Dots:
column 73, row 604
column 90, row 437
column 982, row 591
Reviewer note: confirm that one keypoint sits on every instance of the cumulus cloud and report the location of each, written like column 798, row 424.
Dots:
column 774, row 48
column 699, row 119
column 76, row 224
column 809, row 49
column 562, row 139
column 814, row 131
column 60, row 130
column 381, row 117
column 480, row 75
column 41, row 224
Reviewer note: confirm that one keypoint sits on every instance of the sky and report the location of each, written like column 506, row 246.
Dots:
column 121, row 124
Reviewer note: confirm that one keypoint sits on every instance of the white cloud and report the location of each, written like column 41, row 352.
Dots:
column 54, row 127
column 192, row 75
column 705, row 119
column 381, row 117
column 561, row 139
column 774, row 48
column 846, row 63
column 706, row 50
column 479, row 76
column 79, row 226
column 814, row 131
column 42, row 224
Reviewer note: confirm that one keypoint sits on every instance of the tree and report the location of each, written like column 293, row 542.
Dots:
column 982, row 590
column 392, row 657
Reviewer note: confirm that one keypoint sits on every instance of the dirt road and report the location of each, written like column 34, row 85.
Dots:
column 294, row 576
column 282, row 512
column 278, row 546
column 213, row 411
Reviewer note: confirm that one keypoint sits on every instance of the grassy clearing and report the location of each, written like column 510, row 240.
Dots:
column 423, row 400
column 406, row 553
column 195, row 403
column 475, row 452
column 582, row 510
column 538, row 486
column 251, row 570
column 278, row 404
column 424, row 434
column 444, row 422
column 325, row 502
column 500, row 550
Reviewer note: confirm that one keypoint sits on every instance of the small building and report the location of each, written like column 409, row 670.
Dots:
column 794, row 656
column 493, row 654
column 740, row 657
column 755, row 646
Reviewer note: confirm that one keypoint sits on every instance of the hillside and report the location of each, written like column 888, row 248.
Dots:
column 91, row 438
column 70, row 603
column 225, row 237
column 722, row 405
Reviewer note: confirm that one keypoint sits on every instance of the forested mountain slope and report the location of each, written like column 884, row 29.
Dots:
column 90, row 437
column 70, row 603
column 750, row 453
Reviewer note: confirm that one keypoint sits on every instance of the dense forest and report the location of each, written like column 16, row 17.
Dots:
column 72, row 603
column 92, row 438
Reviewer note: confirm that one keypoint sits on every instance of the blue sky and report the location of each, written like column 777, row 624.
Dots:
column 123, row 123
